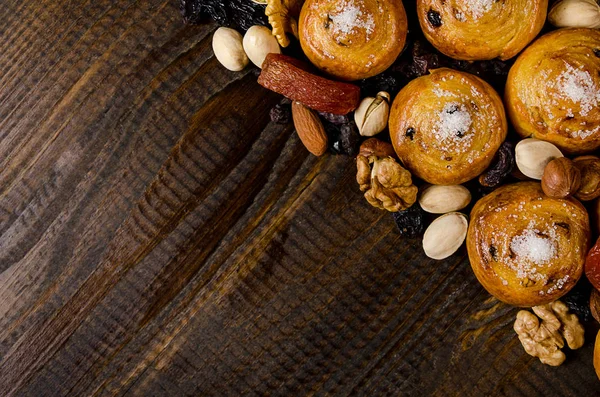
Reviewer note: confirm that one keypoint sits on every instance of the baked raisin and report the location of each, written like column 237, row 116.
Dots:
column 434, row 18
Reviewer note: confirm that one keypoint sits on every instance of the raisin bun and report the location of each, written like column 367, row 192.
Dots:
column 553, row 90
column 477, row 30
column 526, row 248
column 352, row 39
column 447, row 126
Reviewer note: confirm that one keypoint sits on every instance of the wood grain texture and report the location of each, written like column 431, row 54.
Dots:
column 159, row 237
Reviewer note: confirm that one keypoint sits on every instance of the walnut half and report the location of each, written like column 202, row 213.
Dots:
column 387, row 185
column 283, row 16
column 544, row 340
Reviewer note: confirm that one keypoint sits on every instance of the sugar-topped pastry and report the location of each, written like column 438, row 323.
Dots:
column 481, row 29
column 526, row 248
column 553, row 90
column 352, row 39
column 447, row 126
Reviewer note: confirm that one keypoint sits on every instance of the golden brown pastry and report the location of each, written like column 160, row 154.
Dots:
column 352, row 39
column 597, row 355
column 553, row 90
column 447, row 126
column 481, row 29
column 525, row 248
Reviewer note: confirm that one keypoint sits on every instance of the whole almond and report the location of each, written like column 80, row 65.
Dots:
column 309, row 128
column 441, row 199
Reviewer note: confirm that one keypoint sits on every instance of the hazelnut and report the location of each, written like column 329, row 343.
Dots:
column 589, row 166
column 561, row 178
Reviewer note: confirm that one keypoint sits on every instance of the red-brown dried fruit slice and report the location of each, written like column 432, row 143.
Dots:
column 287, row 76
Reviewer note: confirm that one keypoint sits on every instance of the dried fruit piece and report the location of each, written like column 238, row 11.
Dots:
column 501, row 167
column 282, row 112
column 410, row 222
column 346, row 139
column 592, row 265
column 233, row 13
column 309, row 129
column 287, row 76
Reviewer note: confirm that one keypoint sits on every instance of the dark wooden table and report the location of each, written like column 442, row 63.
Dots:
column 158, row 236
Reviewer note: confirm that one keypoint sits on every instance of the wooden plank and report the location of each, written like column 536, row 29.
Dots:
column 158, row 236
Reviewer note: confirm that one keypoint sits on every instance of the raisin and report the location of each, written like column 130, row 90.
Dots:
column 337, row 119
column 501, row 167
column 282, row 112
column 410, row 132
column 597, row 52
column 389, row 82
column 241, row 14
column 423, row 57
column 410, row 222
column 347, row 140
column 578, row 300
column 434, row 18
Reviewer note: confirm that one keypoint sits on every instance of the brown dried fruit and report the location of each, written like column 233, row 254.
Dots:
column 590, row 177
column 386, row 184
column 288, row 76
column 375, row 147
column 595, row 304
column 309, row 128
column 501, row 167
column 561, row 178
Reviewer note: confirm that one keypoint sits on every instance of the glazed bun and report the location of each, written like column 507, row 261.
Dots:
column 352, row 39
column 525, row 248
column 482, row 29
column 447, row 126
column 553, row 90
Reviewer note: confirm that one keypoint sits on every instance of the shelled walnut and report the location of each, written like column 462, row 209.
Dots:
column 544, row 340
column 387, row 185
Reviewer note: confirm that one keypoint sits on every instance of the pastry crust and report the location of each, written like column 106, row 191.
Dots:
column 447, row 126
column 526, row 248
column 480, row 30
column 553, row 90
column 352, row 39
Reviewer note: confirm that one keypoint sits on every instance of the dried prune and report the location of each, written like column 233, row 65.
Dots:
column 241, row 14
column 335, row 118
column 501, row 167
column 282, row 112
column 410, row 222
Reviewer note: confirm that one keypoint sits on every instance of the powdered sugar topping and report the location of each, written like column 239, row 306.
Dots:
column 532, row 247
column 453, row 125
column 577, row 86
column 349, row 16
column 473, row 8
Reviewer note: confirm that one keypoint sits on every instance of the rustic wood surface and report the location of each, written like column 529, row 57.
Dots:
column 159, row 237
